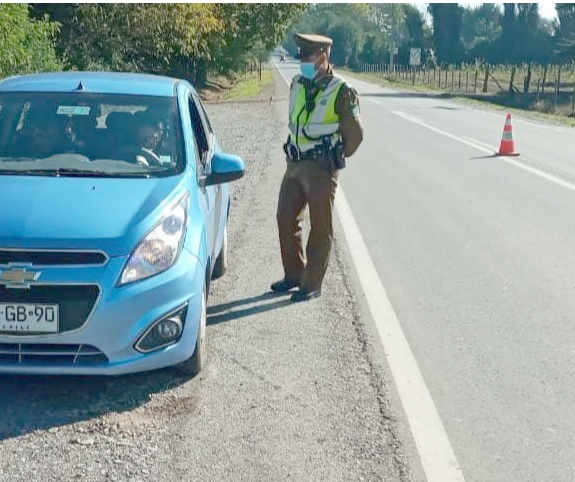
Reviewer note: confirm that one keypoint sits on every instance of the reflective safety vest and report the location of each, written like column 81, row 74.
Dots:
column 308, row 129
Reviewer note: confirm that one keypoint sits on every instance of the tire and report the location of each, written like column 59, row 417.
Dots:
column 193, row 365
column 222, row 262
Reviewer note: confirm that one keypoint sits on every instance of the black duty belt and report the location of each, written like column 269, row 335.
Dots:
column 311, row 156
column 293, row 155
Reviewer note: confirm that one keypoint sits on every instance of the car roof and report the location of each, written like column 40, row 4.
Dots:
column 93, row 82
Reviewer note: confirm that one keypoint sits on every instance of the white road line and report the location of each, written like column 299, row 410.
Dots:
column 475, row 141
column 509, row 160
column 415, row 120
column 435, row 451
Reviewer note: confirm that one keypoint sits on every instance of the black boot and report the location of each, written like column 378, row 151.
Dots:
column 303, row 295
column 284, row 285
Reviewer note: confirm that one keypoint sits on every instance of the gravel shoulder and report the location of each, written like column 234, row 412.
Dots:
column 291, row 392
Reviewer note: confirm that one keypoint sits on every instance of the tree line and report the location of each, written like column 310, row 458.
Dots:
column 455, row 34
column 189, row 40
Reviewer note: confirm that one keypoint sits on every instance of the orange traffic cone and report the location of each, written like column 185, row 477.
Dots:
column 507, row 146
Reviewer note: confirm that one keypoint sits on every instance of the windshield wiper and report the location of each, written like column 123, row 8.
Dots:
column 71, row 172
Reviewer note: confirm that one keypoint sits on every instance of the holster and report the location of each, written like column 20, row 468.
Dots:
column 291, row 152
column 335, row 157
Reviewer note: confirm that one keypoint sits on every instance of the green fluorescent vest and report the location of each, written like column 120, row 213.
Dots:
column 308, row 128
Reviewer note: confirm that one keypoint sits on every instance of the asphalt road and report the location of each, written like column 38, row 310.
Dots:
column 476, row 254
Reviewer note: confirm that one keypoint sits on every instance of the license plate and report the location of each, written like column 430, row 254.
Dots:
column 29, row 318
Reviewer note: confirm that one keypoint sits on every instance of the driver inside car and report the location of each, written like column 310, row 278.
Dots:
column 149, row 136
column 142, row 136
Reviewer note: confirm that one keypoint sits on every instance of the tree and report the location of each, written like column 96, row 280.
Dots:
column 250, row 29
column 417, row 31
column 565, row 31
column 27, row 44
column 447, row 24
column 523, row 35
column 346, row 23
column 481, row 25
column 184, row 40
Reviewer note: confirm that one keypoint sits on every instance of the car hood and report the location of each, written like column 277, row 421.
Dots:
column 67, row 213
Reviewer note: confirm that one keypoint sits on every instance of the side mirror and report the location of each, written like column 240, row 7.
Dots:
column 225, row 168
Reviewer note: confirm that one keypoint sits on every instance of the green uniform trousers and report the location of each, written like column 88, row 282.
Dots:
column 306, row 183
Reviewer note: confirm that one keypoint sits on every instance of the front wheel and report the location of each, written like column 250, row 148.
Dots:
column 192, row 366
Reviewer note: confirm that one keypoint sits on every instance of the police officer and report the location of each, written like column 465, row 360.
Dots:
column 325, row 129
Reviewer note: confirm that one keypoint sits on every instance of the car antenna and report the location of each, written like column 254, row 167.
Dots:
column 80, row 86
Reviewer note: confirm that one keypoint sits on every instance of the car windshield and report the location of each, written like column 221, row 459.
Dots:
column 80, row 134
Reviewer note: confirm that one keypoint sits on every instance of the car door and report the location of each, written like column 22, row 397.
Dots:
column 204, row 137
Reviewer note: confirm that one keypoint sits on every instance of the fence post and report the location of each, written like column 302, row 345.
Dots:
column 459, row 88
column 467, row 81
column 538, row 86
column 544, row 80
column 513, row 70
column 446, row 70
column 558, row 81
column 573, row 102
column 475, row 87
column 527, row 83
column 486, row 80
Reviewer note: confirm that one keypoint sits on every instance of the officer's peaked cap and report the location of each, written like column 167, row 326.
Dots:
column 311, row 43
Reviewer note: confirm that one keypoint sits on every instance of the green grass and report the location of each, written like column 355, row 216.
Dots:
column 248, row 86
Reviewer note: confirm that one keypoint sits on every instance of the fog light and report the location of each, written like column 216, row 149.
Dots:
column 165, row 331
column 169, row 329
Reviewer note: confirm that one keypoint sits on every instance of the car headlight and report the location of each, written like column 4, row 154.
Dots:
column 160, row 249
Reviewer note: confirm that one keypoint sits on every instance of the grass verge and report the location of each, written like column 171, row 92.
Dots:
column 491, row 103
column 241, row 88
column 249, row 86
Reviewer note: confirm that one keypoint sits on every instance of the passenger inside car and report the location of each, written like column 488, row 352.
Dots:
column 42, row 135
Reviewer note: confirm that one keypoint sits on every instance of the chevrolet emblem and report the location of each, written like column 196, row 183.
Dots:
column 18, row 277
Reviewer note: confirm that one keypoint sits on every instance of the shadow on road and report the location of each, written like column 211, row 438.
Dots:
column 30, row 403
column 228, row 312
column 492, row 156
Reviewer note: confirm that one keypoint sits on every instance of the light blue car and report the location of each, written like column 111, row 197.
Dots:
column 114, row 200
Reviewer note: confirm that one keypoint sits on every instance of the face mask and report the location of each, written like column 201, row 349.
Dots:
column 308, row 70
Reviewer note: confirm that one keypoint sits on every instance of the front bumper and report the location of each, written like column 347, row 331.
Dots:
column 103, row 344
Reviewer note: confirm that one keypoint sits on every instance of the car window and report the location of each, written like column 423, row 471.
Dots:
column 200, row 133
column 203, row 114
column 108, row 134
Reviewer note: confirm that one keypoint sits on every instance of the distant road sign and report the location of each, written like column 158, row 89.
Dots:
column 414, row 56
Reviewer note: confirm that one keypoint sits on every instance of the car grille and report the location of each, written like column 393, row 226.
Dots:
column 49, row 354
column 75, row 303
column 48, row 258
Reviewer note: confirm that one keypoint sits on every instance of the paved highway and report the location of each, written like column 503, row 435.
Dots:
column 476, row 254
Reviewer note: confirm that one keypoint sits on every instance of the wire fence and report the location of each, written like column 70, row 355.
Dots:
column 548, row 88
